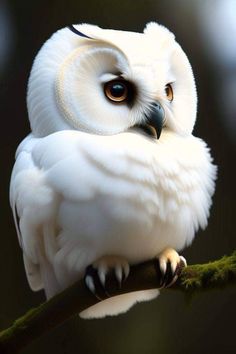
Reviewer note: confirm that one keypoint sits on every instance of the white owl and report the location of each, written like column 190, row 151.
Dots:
column 111, row 174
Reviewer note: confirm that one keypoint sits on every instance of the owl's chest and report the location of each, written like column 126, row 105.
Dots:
column 120, row 201
column 109, row 214
column 122, row 224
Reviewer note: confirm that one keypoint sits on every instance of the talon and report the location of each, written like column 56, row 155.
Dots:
column 119, row 275
column 171, row 265
column 174, row 265
column 126, row 270
column 163, row 265
column 90, row 283
column 102, row 276
column 183, row 261
column 96, row 274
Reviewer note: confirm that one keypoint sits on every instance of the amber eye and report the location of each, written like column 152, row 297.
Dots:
column 116, row 90
column 169, row 92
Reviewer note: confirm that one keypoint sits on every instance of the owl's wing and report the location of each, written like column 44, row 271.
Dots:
column 17, row 191
column 32, row 202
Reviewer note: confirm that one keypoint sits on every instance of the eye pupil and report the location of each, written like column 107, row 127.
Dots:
column 117, row 89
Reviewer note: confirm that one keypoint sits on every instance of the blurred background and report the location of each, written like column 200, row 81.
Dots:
column 206, row 29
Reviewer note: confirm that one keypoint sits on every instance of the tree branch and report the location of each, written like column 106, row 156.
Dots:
column 77, row 298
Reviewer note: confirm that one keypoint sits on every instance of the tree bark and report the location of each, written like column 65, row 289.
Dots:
column 37, row 321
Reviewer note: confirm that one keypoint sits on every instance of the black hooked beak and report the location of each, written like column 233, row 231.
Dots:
column 155, row 118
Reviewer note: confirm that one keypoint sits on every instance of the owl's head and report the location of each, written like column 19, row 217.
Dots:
column 106, row 82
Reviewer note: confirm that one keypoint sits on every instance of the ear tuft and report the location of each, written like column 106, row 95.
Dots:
column 156, row 30
column 88, row 30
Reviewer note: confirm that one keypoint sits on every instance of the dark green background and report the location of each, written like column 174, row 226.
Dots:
column 170, row 324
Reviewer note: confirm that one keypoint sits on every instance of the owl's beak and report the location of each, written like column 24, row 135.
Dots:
column 155, row 118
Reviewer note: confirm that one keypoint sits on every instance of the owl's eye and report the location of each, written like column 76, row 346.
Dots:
column 117, row 90
column 169, row 92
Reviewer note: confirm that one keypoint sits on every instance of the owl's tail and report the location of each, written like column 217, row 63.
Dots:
column 118, row 304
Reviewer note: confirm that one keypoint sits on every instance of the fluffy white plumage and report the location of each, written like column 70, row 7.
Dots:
column 85, row 183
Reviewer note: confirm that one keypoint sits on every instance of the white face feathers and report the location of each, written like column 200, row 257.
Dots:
column 107, row 81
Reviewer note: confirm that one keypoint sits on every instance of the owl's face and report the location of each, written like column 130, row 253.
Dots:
column 111, row 82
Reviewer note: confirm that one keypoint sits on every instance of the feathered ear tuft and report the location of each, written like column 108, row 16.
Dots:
column 79, row 33
column 87, row 30
column 154, row 29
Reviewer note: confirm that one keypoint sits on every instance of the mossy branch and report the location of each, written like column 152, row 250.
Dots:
column 76, row 298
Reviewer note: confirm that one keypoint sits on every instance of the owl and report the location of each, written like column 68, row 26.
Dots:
column 110, row 175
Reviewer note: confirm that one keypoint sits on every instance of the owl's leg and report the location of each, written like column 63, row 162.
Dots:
column 171, row 265
column 96, row 274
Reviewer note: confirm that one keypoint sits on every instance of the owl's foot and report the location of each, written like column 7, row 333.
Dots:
column 96, row 274
column 171, row 265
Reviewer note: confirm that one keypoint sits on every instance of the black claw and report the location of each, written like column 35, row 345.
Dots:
column 91, row 271
column 100, row 291
column 168, row 276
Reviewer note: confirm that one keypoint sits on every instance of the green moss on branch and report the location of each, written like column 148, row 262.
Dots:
column 213, row 275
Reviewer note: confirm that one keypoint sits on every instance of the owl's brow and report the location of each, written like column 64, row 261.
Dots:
column 73, row 29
